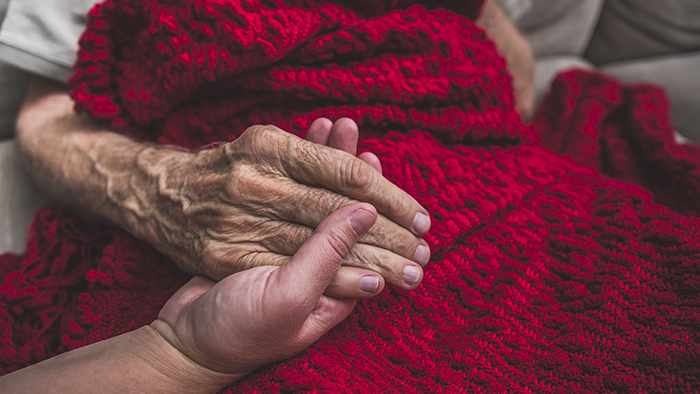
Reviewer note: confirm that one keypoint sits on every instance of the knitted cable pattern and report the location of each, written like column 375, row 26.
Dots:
column 548, row 275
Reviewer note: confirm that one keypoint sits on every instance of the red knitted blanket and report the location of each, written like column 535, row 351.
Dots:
column 548, row 274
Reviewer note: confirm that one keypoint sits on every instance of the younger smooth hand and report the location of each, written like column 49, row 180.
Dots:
column 265, row 314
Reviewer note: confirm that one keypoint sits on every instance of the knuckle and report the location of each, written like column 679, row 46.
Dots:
column 254, row 135
column 253, row 132
column 359, row 257
column 259, row 138
column 339, row 244
column 356, row 176
column 258, row 258
column 306, row 154
column 266, row 133
column 386, row 264
column 251, row 185
column 321, row 200
column 392, row 237
column 398, row 207
column 286, row 238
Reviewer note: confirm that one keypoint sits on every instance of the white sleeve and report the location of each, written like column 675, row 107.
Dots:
column 41, row 36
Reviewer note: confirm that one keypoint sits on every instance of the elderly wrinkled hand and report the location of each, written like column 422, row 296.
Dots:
column 211, row 334
column 254, row 202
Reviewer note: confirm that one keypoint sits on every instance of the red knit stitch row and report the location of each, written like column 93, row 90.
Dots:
column 638, row 146
column 201, row 82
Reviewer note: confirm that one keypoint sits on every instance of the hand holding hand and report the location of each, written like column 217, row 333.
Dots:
column 248, row 203
column 255, row 201
column 208, row 335
column 265, row 314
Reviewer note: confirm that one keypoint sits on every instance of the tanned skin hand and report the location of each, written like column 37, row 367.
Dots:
column 248, row 203
column 517, row 52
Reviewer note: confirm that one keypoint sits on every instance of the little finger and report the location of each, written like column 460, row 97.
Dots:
column 396, row 270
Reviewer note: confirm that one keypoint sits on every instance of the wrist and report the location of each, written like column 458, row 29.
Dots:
column 140, row 361
column 175, row 372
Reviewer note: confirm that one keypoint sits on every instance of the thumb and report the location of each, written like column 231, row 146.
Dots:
column 307, row 275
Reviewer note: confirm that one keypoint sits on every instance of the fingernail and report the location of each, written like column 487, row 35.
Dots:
column 421, row 223
column 361, row 221
column 422, row 255
column 369, row 284
column 411, row 274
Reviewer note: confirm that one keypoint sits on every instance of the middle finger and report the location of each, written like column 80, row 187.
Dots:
column 309, row 206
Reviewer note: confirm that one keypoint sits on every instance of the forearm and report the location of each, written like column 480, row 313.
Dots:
column 141, row 361
column 499, row 28
column 218, row 211
column 80, row 164
column 516, row 50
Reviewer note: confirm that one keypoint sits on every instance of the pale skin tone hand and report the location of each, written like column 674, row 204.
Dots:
column 248, row 203
column 208, row 335
column 284, row 313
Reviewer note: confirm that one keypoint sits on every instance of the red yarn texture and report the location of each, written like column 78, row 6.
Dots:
column 548, row 275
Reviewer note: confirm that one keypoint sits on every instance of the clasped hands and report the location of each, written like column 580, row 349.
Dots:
column 255, row 201
column 270, row 216
column 274, row 307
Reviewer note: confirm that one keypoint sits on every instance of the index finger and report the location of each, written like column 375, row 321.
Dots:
column 322, row 166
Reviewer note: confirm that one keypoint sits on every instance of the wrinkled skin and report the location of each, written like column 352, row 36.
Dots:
column 215, row 212
column 254, row 202
column 208, row 335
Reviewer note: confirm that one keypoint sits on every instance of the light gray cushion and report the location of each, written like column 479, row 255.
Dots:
column 19, row 199
column 515, row 9
column 13, row 83
column 558, row 27
column 630, row 29
column 679, row 74
column 41, row 36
